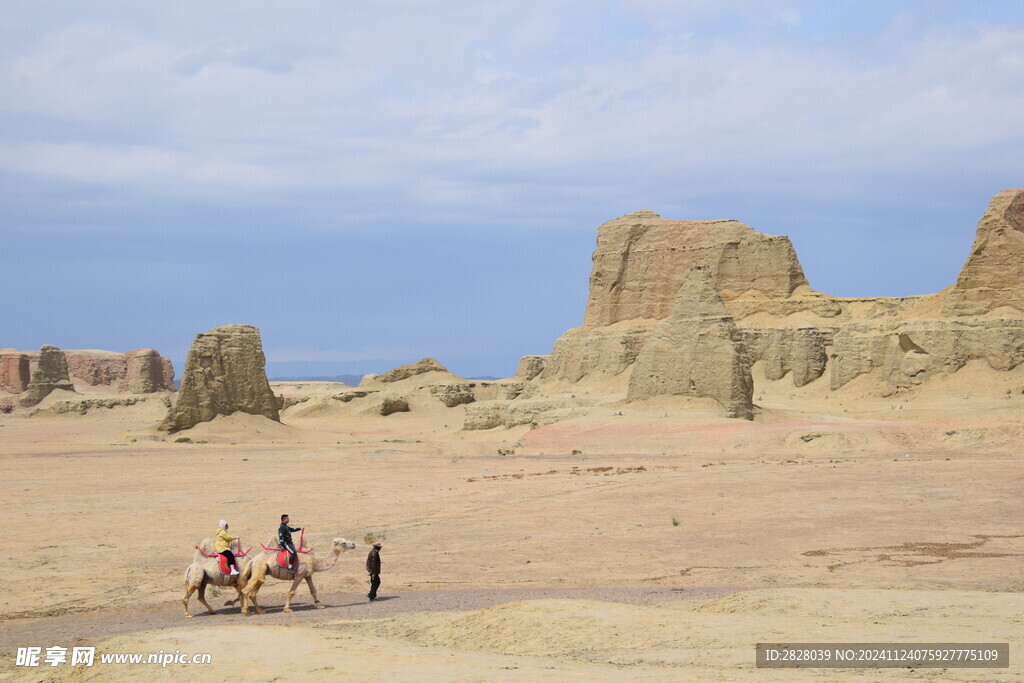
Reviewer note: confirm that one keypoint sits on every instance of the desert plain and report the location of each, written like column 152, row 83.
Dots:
column 665, row 549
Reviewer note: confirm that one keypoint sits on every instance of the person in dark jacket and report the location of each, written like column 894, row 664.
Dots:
column 284, row 539
column 373, row 569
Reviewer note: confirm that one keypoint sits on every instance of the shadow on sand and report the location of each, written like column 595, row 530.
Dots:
column 279, row 609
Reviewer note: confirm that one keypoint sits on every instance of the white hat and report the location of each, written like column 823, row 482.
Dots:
column 223, row 524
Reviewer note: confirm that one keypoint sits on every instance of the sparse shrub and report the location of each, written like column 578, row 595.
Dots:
column 577, row 451
column 675, row 521
column 832, row 567
column 183, row 439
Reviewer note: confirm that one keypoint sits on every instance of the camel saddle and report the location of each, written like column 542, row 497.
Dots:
column 282, row 554
column 225, row 568
column 282, row 558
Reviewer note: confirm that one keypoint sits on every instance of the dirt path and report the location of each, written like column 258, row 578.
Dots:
column 91, row 627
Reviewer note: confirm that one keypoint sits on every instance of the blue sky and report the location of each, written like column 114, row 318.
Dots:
column 374, row 182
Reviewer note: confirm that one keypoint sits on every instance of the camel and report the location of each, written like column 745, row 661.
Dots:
column 265, row 563
column 205, row 571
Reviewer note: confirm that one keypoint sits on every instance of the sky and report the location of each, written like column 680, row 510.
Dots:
column 378, row 181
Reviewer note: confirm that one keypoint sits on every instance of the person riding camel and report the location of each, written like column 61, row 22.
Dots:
column 223, row 546
column 284, row 539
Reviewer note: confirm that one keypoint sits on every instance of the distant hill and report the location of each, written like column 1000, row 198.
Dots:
column 351, row 380
column 354, row 380
column 352, row 372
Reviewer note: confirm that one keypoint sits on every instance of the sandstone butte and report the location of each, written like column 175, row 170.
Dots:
column 142, row 371
column 687, row 307
column 224, row 374
column 49, row 374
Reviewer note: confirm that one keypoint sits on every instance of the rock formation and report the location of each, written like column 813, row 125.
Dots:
column 705, row 308
column 146, row 372
column 393, row 404
column 142, row 371
column 15, row 372
column 696, row 351
column 51, row 373
column 993, row 275
column 85, row 406
column 534, row 413
column 102, row 369
column 410, row 370
column 224, row 374
column 800, row 351
column 530, row 366
column 452, row 395
column 642, row 260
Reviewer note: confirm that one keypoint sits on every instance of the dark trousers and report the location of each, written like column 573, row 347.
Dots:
column 374, row 585
column 292, row 554
column 232, row 562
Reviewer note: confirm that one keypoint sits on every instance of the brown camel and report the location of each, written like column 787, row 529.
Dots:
column 205, row 571
column 265, row 564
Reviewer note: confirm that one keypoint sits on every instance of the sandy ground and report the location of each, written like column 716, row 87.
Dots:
column 584, row 639
column 837, row 538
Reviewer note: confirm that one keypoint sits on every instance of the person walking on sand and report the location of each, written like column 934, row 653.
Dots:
column 373, row 569
column 284, row 539
column 223, row 546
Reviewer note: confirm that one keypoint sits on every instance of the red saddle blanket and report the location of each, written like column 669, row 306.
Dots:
column 282, row 555
column 225, row 568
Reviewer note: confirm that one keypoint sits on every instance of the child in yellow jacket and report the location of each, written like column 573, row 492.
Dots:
column 223, row 546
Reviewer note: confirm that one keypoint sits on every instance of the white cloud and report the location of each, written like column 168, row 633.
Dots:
column 790, row 16
column 451, row 106
column 143, row 167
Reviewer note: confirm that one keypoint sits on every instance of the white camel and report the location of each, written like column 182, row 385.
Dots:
column 205, row 571
column 265, row 564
